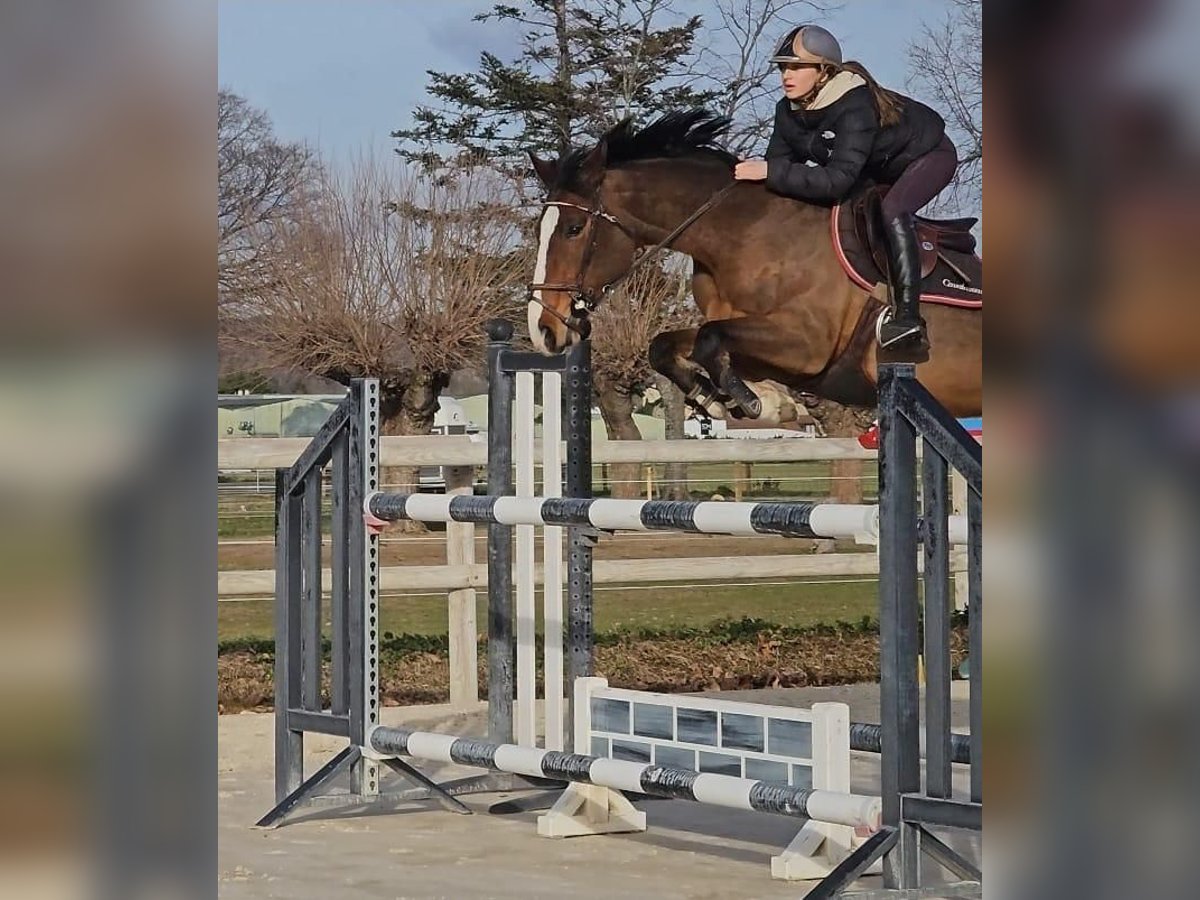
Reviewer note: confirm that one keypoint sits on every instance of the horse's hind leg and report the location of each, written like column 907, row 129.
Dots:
column 670, row 354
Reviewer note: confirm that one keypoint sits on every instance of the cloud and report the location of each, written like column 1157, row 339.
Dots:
column 461, row 39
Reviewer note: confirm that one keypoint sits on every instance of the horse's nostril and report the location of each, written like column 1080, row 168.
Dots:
column 548, row 337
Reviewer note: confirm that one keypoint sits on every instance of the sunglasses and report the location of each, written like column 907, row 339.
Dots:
column 796, row 66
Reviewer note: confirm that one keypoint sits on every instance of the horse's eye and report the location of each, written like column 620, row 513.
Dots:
column 575, row 230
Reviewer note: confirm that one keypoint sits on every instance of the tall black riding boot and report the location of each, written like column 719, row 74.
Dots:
column 903, row 333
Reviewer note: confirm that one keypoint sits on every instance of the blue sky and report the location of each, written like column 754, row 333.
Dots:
column 342, row 75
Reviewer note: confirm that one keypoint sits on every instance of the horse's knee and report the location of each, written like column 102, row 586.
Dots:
column 707, row 349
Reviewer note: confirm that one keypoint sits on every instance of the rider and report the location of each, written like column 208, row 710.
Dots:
column 835, row 129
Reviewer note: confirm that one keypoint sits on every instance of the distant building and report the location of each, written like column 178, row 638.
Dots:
column 302, row 415
column 748, row 429
column 273, row 415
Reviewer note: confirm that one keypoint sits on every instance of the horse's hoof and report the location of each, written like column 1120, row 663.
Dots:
column 706, row 404
column 778, row 406
column 746, row 409
column 741, row 397
column 747, row 401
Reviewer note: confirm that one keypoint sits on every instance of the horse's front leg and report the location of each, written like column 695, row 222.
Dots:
column 711, row 352
column 749, row 345
column 670, row 356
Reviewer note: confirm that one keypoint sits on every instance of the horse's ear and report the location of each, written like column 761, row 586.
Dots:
column 591, row 170
column 546, row 169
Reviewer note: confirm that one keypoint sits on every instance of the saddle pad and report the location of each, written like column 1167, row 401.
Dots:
column 951, row 282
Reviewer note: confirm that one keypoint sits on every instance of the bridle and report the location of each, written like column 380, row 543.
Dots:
column 583, row 300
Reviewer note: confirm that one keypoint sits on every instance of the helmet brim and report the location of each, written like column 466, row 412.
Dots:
column 823, row 48
column 798, row 59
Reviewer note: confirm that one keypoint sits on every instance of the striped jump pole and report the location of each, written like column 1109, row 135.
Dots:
column 868, row 738
column 800, row 519
column 709, row 788
column 803, row 519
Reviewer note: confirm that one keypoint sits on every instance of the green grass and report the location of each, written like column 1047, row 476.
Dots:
column 618, row 608
column 246, row 516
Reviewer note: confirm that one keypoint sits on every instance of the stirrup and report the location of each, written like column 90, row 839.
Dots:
column 908, row 343
column 912, row 331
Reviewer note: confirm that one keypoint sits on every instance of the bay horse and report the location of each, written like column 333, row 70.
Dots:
column 778, row 305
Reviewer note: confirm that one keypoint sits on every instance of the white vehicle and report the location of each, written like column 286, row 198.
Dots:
column 450, row 418
column 696, row 427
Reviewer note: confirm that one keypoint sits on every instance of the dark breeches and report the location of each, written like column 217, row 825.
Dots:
column 923, row 180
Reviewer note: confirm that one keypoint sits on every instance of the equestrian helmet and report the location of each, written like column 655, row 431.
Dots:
column 809, row 44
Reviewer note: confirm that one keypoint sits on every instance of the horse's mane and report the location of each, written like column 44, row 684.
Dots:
column 672, row 135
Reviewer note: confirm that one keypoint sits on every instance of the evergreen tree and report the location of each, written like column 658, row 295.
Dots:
column 580, row 67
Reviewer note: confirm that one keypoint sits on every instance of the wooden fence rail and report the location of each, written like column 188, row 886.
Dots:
column 471, row 450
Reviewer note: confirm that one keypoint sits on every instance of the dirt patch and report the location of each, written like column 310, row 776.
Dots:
column 245, row 681
column 830, row 656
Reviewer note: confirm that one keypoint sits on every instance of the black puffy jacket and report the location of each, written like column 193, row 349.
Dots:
column 824, row 153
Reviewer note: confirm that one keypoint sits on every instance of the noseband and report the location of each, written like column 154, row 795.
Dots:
column 583, row 300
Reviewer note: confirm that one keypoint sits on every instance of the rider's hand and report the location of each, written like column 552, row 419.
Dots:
column 751, row 170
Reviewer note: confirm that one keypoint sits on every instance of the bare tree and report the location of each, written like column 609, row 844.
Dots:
column 947, row 68
column 654, row 300
column 735, row 62
column 387, row 276
column 636, row 48
column 261, row 182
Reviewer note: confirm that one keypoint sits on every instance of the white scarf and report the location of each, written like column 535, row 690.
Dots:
column 835, row 88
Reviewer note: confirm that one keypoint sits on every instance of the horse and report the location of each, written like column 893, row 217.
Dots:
column 779, row 309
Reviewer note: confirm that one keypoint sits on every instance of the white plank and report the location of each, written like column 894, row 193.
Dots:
column 525, row 709
column 471, row 450
column 237, row 583
column 552, row 555
column 464, row 629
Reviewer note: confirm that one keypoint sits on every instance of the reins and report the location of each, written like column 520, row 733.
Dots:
column 666, row 242
column 584, row 301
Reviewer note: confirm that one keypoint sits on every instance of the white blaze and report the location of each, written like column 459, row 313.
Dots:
column 548, row 227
